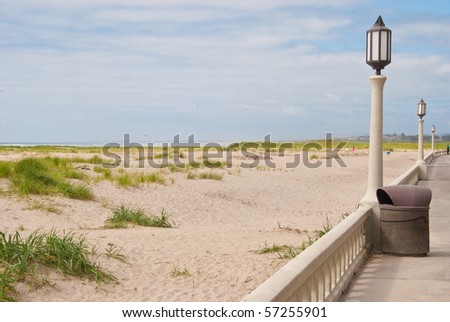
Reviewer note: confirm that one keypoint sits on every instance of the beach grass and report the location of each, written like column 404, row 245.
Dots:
column 210, row 175
column 92, row 160
column 40, row 205
column 179, row 272
column 115, row 253
column 22, row 258
column 283, row 251
column 325, row 228
column 45, row 176
column 76, row 191
column 123, row 216
column 107, row 173
column 289, row 251
column 50, row 175
column 6, row 169
column 126, row 180
column 136, row 179
column 204, row 175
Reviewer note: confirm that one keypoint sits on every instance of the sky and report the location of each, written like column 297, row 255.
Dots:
column 93, row 70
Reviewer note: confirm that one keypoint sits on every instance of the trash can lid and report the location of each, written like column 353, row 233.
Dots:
column 404, row 195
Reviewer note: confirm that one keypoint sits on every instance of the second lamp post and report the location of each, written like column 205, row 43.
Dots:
column 421, row 112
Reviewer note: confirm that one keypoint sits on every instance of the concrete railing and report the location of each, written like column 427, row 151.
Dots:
column 413, row 175
column 323, row 271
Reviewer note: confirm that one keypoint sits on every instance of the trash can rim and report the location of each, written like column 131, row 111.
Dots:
column 404, row 195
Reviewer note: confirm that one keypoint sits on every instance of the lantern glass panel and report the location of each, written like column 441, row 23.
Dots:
column 384, row 45
column 375, row 48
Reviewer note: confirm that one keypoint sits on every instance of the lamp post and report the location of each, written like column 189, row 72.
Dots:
column 378, row 55
column 433, row 130
column 421, row 112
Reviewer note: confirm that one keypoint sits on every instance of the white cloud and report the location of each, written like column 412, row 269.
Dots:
column 238, row 4
column 333, row 98
column 174, row 66
column 425, row 35
column 160, row 15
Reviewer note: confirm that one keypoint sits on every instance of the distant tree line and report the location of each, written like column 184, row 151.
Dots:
column 402, row 137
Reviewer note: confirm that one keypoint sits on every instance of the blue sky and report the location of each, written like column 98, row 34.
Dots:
column 92, row 70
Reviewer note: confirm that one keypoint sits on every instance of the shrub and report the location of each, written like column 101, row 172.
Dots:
column 67, row 254
column 123, row 216
column 48, row 176
column 6, row 169
column 76, row 191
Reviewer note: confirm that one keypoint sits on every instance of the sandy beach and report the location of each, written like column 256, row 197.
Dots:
column 220, row 226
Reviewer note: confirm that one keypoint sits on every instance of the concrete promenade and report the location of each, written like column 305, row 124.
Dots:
column 387, row 278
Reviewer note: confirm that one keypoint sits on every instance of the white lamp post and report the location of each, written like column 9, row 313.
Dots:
column 433, row 130
column 421, row 112
column 378, row 55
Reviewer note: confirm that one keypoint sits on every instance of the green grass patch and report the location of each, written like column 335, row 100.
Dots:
column 33, row 176
column 71, row 173
column 194, row 165
column 215, row 164
column 76, row 191
column 45, row 176
column 125, row 180
column 160, row 155
column 22, row 258
column 210, row 175
column 176, row 168
column 92, row 160
column 123, row 216
column 107, row 173
column 154, row 177
column 283, row 251
column 6, row 169
column 204, row 175
column 136, row 179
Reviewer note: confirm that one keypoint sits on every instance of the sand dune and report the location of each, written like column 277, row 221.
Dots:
column 221, row 224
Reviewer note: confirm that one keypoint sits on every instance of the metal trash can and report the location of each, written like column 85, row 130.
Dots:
column 404, row 225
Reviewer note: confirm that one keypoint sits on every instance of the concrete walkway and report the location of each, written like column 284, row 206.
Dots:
column 387, row 278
